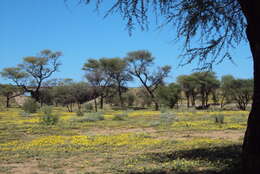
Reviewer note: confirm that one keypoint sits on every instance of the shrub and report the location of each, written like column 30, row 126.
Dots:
column 219, row 119
column 79, row 113
column 30, row 106
column 48, row 118
column 90, row 117
column 167, row 118
column 25, row 114
column 120, row 117
column 88, row 107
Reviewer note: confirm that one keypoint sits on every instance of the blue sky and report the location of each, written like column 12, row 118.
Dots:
column 29, row 26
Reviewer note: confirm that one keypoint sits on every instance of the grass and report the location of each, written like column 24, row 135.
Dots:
column 143, row 143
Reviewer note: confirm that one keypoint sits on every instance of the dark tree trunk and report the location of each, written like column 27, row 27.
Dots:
column 7, row 102
column 193, row 102
column 120, row 96
column 101, row 101
column 251, row 145
column 188, row 101
column 95, row 101
column 35, row 95
column 156, row 106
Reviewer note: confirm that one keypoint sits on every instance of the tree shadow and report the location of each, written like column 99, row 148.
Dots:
column 227, row 160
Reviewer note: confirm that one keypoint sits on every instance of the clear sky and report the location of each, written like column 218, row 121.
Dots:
column 29, row 26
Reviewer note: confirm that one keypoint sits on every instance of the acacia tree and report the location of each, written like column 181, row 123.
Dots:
column 226, row 89
column 33, row 71
column 220, row 25
column 170, row 94
column 188, row 84
column 207, row 83
column 9, row 92
column 116, row 69
column 139, row 64
column 98, row 79
column 242, row 92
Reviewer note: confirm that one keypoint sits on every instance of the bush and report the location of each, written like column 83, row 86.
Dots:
column 120, row 117
column 79, row 113
column 25, row 114
column 219, row 119
column 88, row 107
column 48, row 117
column 167, row 118
column 30, row 106
column 90, row 117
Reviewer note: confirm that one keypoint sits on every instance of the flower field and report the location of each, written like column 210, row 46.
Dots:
column 143, row 141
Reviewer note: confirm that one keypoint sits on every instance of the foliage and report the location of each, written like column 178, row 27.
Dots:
column 120, row 117
column 9, row 92
column 90, row 117
column 218, row 25
column 167, row 118
column 79, row 113
column 169, row 95
column 207, row 83
column 139, row 66
column 88, row 107
column 116, row 70
column 34, row 70
column 48, row 118
column 130, row 98
column 188, row 84
column 226, row 85
column 242, row 92
column 30, row 106
column 219, row 119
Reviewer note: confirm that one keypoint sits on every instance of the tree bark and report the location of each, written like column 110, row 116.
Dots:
column 101, row 101
column 188, row 101
column 95, row 101
column 7, row 102
column 251, row 145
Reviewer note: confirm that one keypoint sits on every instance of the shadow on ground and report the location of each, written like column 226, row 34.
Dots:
column 226, row 159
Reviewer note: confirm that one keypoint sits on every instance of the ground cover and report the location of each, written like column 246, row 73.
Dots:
column 134, row 142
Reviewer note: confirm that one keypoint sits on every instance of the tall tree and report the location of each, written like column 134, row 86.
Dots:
column 207, row 83
column 97, row 78
column 33, row 71
column 220, row 25
column 140, row 64
column 188, row 84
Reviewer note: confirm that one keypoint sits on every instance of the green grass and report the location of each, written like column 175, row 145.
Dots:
column 143, row 142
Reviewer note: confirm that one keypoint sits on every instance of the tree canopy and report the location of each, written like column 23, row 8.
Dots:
column 30, row 74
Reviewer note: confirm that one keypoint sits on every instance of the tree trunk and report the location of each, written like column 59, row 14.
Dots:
column 251, row 145
column 7, row 102
column 193, row 102
column 188, row 101
column 101, row 101
column 156, row 106
column 95, row 101
column 120, row 96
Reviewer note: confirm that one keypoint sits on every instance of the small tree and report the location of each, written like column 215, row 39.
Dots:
column 169, row 95
column 242, row 92
column 140, row 64
column 226, row 85
column 33, row 71
column 9, row 92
